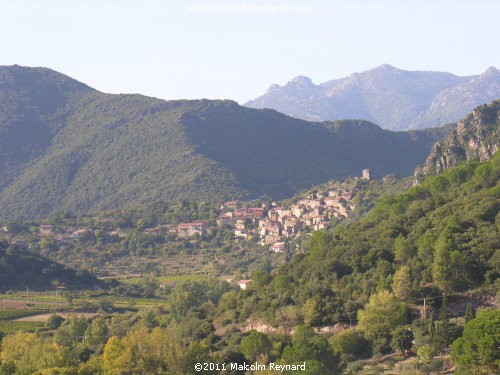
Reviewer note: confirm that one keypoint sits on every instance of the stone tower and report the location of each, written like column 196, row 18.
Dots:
column 366, row 174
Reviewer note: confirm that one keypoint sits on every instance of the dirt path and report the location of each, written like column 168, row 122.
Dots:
column 45, row 317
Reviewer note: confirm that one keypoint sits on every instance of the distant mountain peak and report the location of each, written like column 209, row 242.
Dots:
column 491, row 72
column 273, row 87
column 302, row 81
column 22, row 76
column 386, row 67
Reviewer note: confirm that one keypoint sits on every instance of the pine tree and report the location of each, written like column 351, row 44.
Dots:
column 442, row 335
column 469, row 313
column 432, row 327
column 441, row 270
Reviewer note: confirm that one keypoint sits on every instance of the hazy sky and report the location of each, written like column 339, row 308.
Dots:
column 166, row 49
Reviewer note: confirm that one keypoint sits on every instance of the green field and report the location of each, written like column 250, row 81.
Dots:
column 173, row 278
column 9, row 314
column 8, row 326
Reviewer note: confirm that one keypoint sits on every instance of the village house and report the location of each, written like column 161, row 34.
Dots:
column 225, row 218
column 298, row 210
column 190, row 229
column 241, row 232
column 240, row 224
column 271, row 238
column 243, row 284
column 289, row 230
column 270, row 227
column 333, row 201
column 347, row 195
column 278, row 247
column 274, row 213
column 252, row 215
column 232, row 205
column 333, row 193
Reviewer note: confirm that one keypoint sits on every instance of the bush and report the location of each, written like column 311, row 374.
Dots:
column 425, row 353
column 349, row 342
column 402, row 339
column 55, row 321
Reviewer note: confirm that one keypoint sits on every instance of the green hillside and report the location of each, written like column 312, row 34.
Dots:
column 68, row 147
column 20, row 269
column 440, row 237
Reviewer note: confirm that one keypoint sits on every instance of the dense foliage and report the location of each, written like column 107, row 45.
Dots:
column 23, row 269
column 87, row 151
column 366, row 278
column 478, row 350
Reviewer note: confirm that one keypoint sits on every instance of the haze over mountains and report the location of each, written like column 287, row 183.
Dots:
column 66, row 146
column 392, row 98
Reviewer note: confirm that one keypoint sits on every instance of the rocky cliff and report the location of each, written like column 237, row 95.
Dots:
column 476, row 137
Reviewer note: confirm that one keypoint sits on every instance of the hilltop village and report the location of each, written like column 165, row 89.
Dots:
column 270, row 224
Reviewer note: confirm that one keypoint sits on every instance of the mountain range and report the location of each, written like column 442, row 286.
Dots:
column 65, row 146
column 393, row 98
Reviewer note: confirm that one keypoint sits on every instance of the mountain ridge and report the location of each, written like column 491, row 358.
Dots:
column 422, row 98
column 91, row 151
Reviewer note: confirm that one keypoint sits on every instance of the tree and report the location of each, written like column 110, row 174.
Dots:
column 260, row 279
column 55, row 321
column 469, row 313
column 255, row 344
column 15, row 346
column 402, row 339
column 145, row 352
column 478, row 350
column 27, row 353
column 382, row 314
column 349, row 342
column 401, row 283
column 97, row 332
column 403, row 250
column 441, row 271
column 310, row 312
column 442, row 334
column 288, row 316
column 313, row 349
column 186, row 296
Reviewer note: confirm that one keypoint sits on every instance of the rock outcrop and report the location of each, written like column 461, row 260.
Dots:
column 476, row 137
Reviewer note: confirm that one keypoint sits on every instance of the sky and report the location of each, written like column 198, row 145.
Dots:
column 236, row 49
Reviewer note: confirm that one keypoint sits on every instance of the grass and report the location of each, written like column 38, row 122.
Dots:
column 8, row 314
column 7, row 326
column 173, row 278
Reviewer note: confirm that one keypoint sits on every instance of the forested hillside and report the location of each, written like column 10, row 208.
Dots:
column 439, row 238
column 86, row 151
column 21, row 269
column 357, row 291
